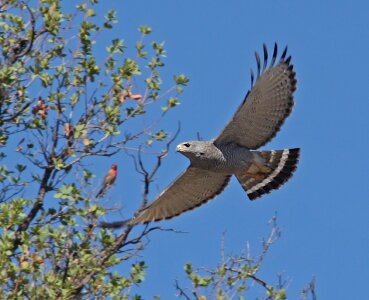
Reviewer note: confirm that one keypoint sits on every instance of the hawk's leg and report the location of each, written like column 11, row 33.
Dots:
column 257, row 171
column 256, row 176
column 262, row 169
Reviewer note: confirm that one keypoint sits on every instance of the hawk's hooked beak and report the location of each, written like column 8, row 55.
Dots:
column 183, row 147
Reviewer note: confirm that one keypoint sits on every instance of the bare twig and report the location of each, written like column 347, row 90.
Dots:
column 181, row 291
column 310, row 289
column 148, row 177
column 275, row 233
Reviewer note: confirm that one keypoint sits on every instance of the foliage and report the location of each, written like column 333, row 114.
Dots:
column 64, row 100
column 236, row 276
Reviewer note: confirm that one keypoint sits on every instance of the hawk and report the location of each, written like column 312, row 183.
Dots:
column 233, row 152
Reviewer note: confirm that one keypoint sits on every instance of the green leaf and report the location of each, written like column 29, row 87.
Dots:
column 160, row 135
column 181, row 79
column 188, row 268
column 281, row 294
column 144, row 29
column 90, row 13
column 172, row 102
column 20, row 168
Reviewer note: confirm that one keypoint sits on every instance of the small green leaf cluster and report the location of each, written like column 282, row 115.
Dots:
column 231, row 280
column 196, row 279
column 235, row 277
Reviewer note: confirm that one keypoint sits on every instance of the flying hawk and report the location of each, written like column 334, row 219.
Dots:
column 233, row 152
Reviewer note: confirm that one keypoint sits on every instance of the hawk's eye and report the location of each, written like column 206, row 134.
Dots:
column 187, row 145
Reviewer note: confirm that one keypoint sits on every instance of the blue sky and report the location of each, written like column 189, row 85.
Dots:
column 324, row 209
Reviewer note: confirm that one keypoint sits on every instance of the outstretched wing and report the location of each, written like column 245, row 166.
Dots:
column 191, row 189
column 266, row 105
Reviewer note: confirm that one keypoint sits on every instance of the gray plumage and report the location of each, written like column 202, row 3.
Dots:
column 256, row 122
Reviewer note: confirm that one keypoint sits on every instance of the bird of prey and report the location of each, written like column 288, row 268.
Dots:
column 233, row 152
column 109, row 180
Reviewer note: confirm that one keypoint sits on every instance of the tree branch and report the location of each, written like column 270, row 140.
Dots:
column 35, row 209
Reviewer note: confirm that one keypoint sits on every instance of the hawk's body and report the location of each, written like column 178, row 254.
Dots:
column 256, row 122
column 227, row 159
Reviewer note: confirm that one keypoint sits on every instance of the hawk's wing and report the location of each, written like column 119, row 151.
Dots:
column 191, row 189
column 266, row 105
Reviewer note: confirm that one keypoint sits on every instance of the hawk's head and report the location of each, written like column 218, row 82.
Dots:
column 195, row 149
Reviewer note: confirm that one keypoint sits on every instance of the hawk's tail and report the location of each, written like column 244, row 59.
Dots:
column 282, row 164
